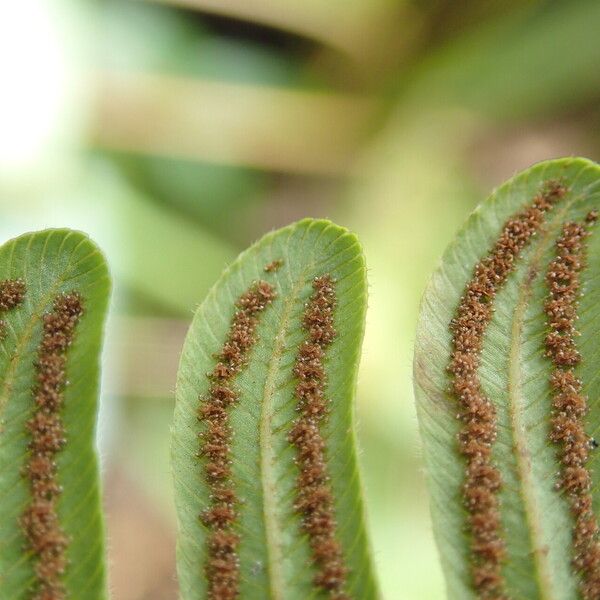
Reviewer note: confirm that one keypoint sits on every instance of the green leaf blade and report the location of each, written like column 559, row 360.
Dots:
column 514, row 372
column 274, row 552
column 50, row 263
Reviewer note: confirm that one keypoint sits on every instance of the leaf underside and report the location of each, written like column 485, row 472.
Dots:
column 536, row 520
column 274, row 552
column 52, row 263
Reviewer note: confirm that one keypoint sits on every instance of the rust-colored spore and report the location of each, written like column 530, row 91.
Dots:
column 273, row 266
column 475, row 410
column 40, row 519
column 569, row 405
column 12, row 293
column 314, row 499
column 222, row 563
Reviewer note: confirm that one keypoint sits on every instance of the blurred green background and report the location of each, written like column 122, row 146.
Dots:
column 177, row 132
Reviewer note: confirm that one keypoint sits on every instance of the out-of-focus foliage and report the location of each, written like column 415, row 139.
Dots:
column 176, row 132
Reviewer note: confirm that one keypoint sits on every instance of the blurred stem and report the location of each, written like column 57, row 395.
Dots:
column 263, row 127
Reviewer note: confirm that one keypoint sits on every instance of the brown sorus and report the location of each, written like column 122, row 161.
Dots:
column 40, row 521
column 222, row 563
column 476, row 412
column 314, row 497
column 12, row 292
column 569, row 404
column 273, row 266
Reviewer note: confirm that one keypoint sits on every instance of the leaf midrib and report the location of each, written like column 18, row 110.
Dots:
column 272, row 530
column 515, row 410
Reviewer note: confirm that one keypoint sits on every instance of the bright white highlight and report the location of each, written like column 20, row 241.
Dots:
column 33, row 81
